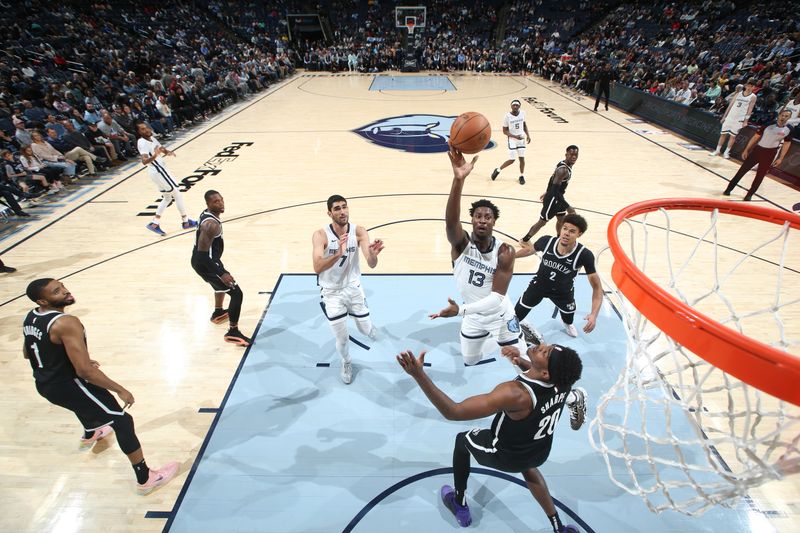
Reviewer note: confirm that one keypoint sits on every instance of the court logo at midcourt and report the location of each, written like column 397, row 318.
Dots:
column 424, row 134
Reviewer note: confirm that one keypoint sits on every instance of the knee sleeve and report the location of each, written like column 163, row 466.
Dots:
column 126, row 436
column 235, row 305
column 339, row 328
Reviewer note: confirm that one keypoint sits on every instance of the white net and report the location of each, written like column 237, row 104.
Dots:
column 674, row 429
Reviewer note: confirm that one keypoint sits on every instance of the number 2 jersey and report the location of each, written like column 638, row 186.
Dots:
column 346, row 271
column 557, row 272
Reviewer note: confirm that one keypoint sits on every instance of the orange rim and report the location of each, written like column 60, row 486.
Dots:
column 766, row 368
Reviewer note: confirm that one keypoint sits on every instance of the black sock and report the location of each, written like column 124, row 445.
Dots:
column 555, row 521
column 142, row 472
column 461, row 498
column 88, row 434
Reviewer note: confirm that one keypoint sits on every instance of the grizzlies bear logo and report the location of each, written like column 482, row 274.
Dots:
column 425, row 134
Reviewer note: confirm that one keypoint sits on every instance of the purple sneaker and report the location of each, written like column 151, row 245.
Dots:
column 568, row 529
column 461, row 512
column 189, row 224
column 155, row 228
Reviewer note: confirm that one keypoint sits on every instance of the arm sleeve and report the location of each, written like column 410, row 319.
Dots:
column 493, row 301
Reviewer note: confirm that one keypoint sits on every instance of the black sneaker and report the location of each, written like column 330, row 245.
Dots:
column 7, row 269
column 219, row 316
column 237, row 337
column 522, row 180
column 495, row 174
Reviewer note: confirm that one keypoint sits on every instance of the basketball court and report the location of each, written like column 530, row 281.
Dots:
column 270, row 439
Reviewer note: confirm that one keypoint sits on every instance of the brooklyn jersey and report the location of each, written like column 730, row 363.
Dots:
column 49, row 360
column 474, row 271
column 557, row 272
column 346, row 271
column 533, row 435
column 561, row 187
column 740, row 106
column 217, row 245
column 515, row 123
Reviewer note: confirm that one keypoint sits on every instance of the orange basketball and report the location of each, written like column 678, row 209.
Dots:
column 470, row 133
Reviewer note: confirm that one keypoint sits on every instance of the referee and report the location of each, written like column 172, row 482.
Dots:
column 766, row 142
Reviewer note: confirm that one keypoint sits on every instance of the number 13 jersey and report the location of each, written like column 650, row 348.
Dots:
column 474, row 271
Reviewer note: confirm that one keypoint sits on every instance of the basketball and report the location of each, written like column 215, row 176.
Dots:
column 470, row 133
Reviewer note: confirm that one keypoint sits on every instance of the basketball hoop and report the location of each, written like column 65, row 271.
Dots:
column 411, row 23
column 702, row 411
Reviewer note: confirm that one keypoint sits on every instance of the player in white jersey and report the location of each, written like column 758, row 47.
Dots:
column 482, row 266
column 735, row 118
column 793, row 107
column 514, row 126
column 339, row 276
column 153, row 158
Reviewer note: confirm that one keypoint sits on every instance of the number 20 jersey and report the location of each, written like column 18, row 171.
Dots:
column 474, row 271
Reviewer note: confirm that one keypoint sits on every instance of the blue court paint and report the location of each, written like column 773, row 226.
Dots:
column 411, row 83
column 295, row 450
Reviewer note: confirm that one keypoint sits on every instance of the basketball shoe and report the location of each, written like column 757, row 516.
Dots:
column 99, row 434
column 577, row 408
column 461, row 512
column 158, row 478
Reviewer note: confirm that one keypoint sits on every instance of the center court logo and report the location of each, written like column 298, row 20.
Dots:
column 425, row 134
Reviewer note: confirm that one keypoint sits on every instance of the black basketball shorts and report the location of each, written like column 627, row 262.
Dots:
column 94, row 406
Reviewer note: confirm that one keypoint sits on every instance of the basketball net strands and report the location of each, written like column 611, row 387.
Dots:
column 702, row 411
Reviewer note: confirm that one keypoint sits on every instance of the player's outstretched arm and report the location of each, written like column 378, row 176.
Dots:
column 456, row 235
column 505, row 269
column 507, row 396
column 597, row 302
column 370, row 250
column 68, row 331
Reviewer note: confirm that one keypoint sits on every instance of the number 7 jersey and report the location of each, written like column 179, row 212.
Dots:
column 474, row 271
column 346, row 271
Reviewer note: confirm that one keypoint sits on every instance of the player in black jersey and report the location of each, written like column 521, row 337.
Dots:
column 526, row 411
column 55, row 346
column 207, row 262
column 553, row 202
column 561, row 260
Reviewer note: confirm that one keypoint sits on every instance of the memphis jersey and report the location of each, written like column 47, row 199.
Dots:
column 217, row 245
column 346, row 271
column 49, row 361
column 474, row 271
column 740, row 106
column 515, row 123
column 562, row 187
column 148, row 148
column 533, row 435
column 557, row 272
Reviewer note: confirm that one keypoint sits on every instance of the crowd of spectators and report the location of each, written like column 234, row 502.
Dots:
column 76, row 78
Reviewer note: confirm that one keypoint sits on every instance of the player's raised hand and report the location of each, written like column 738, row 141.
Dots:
column 413, row 366
column 447, row 312
column 376, row 246
column 461, row 168
column 342, row 245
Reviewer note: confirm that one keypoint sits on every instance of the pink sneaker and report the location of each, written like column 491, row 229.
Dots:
column 99, row 434
column 158, row 478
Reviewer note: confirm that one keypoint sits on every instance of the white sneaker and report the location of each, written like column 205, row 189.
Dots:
column 531, row 334
column 726, row 155
column 577, row 408
column 714, row 153
column 347, row 372
column 571, row 330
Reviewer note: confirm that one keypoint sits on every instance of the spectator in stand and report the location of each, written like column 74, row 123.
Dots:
column 75, row 139
column 16, row 174
column 51, row 157
column 22, row 134
column 91, row 114
column 123, row 143
column 36, row 167
column 166, row 112
column 73, row 153
column 97, row 139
